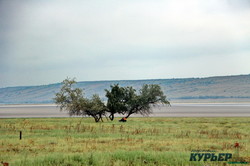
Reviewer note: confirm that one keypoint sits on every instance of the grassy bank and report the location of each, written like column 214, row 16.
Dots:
column 140, row 141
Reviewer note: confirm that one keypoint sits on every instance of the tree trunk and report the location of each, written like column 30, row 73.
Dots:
column 111, row 116
column 130, row 113
column 96, row 119
column 100, row 117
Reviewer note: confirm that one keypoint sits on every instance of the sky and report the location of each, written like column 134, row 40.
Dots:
column 46, row 41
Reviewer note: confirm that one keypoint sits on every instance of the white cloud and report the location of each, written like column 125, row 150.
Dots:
column 122, row 39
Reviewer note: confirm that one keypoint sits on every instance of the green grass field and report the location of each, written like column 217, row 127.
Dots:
column 140, row 141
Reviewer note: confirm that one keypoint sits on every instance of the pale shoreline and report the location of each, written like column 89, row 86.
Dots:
column 175, row 110
column 26, row 105
column 173, row 103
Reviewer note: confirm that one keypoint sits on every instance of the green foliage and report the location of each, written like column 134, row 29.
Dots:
column 122, row 100
column 72, row 100
column 119, row 99
column 125, row 100
column 95, row 107
column 149, row 96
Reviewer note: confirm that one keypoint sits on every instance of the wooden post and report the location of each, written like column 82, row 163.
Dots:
column 20, row 135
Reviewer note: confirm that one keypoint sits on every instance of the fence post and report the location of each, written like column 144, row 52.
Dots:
column 20, row 135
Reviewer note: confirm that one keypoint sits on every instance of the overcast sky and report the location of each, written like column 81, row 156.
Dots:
column 44, row 41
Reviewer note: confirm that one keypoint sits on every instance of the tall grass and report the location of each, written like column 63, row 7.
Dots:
column 140, row 141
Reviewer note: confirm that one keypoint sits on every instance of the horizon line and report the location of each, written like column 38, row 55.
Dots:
column 146, row 79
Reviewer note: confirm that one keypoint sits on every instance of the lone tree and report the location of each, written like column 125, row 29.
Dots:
column 125, row 100
column 121, row 100
column 72, row 100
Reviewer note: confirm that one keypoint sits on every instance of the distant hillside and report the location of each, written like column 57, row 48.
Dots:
column 211, row 89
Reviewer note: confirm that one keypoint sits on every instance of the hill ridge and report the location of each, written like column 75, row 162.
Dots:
column 198, row 89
